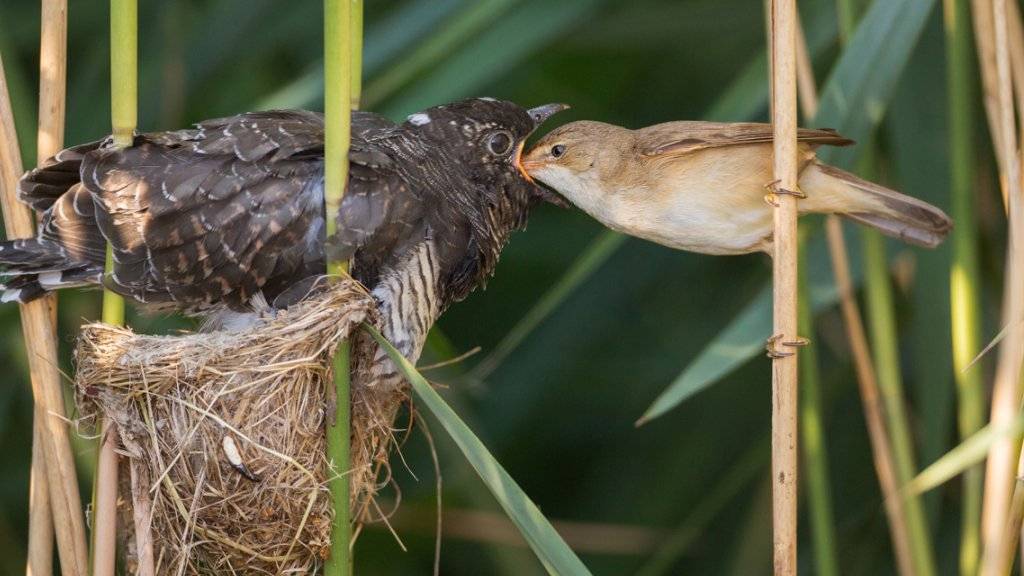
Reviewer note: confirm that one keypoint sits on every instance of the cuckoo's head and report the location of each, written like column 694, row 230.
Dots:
column 485, row 137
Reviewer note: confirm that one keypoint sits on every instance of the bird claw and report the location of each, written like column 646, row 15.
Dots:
column 772, row 350
column 774, row 191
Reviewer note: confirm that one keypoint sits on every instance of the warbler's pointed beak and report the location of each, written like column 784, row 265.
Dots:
column 542, row 113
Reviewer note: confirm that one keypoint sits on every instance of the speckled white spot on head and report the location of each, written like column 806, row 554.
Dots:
column 487, row 99
column 419, row 119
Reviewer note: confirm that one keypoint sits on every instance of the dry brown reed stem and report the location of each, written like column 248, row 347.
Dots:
column 39, row 561
column 1016, row 39
column 104, row 530
column 40, row 341
column 1005, row 453
column 881, row 448
column 984, row 39
column 867, row 381
column 784, row 273
column 52, row 75
column 49, row 140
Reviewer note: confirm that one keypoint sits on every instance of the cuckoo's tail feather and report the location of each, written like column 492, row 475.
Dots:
column 29, row 268
column 891, row 213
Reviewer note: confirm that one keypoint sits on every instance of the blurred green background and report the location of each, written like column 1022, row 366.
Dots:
column 559, row 410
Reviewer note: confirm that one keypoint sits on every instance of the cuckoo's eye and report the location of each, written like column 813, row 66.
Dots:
column 499, row 143
column 557, row 150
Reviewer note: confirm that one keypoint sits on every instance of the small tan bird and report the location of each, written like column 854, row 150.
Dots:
column 700, row 186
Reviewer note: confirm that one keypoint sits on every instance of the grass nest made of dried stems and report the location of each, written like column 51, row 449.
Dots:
column 222, row 434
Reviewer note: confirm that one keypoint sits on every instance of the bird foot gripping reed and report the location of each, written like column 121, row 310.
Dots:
column 223, row 433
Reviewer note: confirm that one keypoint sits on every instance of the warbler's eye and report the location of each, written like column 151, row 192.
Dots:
column 557, row 150
column 499, row 143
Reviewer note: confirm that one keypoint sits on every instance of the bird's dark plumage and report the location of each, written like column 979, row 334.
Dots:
column 204, row 220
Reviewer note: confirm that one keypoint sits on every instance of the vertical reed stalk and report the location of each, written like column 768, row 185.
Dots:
column 883, row 335
column 812, row 427
column 49, row 140
column 40, row 519
column 984, row 39
column 124, row 67
column 964, row 283
column 1006, row 393
column 784, row 272
column 41, row 344
column 812, row 436
column 124, row 116
column 342, row 64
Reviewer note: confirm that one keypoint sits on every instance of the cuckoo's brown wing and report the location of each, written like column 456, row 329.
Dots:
column 212, row 216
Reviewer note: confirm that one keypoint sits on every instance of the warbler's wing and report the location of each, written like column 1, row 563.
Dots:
column 679, row 138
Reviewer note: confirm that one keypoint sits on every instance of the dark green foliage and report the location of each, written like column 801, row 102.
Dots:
column 559, row 411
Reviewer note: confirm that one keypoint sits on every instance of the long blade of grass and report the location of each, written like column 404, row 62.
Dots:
column 965, row 455
column 854, row 101
column 551, row 550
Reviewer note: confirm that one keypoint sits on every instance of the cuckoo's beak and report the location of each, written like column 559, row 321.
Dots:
column 542, row 113
column 539, row 115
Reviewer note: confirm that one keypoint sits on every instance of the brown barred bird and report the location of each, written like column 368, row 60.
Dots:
column 216, row 220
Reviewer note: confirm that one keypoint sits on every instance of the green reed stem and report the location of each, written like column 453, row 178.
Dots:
column 124, row 69
column 882, row 325
column 342, row 46
column 124, row 78
column 812, row 433
column 964, row 276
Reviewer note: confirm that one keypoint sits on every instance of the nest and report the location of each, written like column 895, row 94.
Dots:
column 223, row 435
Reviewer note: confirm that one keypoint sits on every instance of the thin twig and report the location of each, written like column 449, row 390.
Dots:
column 784, row 273
column 40, row 341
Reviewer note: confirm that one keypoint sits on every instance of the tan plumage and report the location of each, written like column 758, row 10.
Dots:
column 700, row 186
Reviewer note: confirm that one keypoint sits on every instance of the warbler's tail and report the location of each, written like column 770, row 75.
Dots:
column 914, row 221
